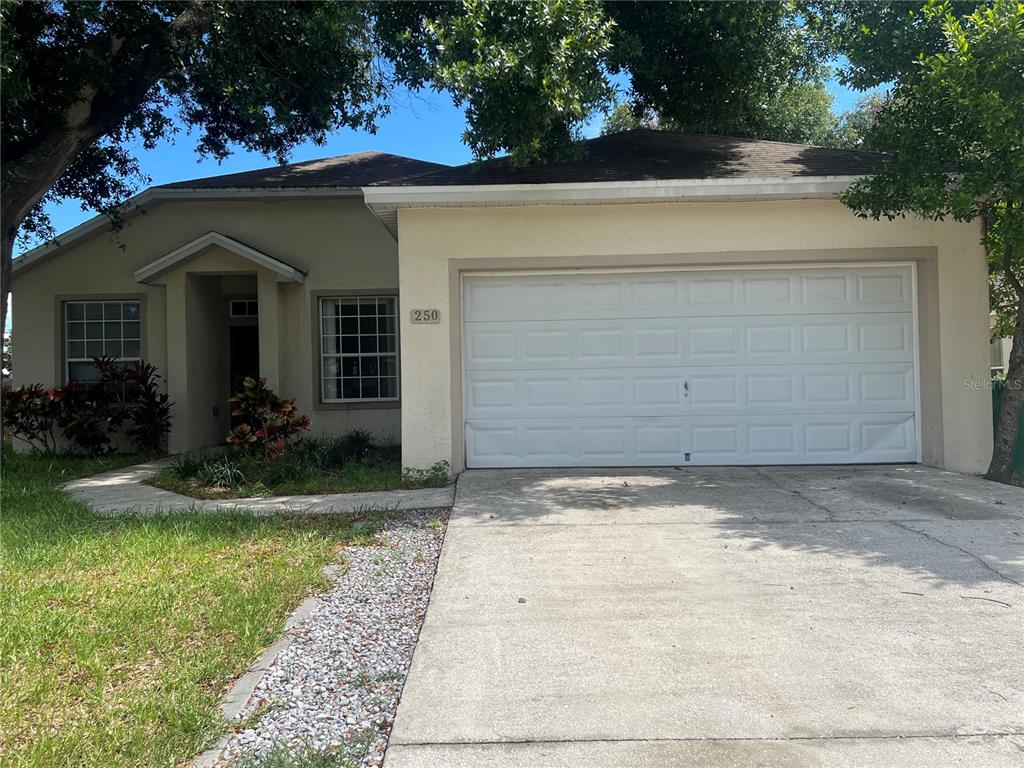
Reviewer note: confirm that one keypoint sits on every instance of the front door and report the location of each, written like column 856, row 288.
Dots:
column 244, row 355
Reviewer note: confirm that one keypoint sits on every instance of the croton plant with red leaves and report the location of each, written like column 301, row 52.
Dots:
column 268, row 423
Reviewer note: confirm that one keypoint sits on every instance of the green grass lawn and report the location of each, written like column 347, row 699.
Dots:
column 120, row 635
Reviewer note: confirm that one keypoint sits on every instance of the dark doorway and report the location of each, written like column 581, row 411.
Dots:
column 245, row 355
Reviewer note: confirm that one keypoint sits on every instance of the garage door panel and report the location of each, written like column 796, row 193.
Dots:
column 653, row 342
column 793, row 365
column 688, row 294
column 789, row 339
column 680, row 391
column 884, row 335
column 714, row 440
column 886, row 439
column 608, row 442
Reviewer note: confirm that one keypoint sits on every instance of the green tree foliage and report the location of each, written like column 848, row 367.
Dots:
column 625, row 117
column 801, row 114
column 954, row 125
column 527, row 73
column 83, row 80
column 713, row 67
column 882, row 40
column 750, row 69
column 852, row 129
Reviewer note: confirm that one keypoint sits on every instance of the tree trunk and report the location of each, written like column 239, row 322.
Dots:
column 1008, row 423
column 23, row 183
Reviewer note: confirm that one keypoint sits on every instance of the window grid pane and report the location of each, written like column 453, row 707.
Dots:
column 99, row 329
column 358, row 348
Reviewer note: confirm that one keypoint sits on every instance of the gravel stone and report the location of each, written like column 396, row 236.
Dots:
column 336, row 686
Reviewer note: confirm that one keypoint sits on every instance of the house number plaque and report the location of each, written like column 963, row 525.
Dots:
column 425, row 316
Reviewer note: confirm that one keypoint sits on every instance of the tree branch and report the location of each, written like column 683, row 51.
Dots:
column 26, row 178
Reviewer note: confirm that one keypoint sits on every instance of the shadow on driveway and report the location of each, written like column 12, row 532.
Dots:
column 834, row 510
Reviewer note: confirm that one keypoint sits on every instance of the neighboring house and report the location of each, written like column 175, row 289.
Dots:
column 667, row 299
column 999, row 351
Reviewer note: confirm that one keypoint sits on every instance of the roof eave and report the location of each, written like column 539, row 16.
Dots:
column 156, row 195
column 385, row 201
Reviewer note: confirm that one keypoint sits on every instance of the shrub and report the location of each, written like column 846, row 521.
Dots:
column 82, row 414
column 301, row 461
column 334, row 464
column 354, row 445
column 31, row 415
column 88, row 415
column 223, row 472
column 269, row 423
column 188, row 465
column 142, row 403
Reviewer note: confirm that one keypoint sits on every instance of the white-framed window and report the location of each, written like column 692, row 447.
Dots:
column 995, row 350
column 100, row 328
column 243, row 308
column 358, row 348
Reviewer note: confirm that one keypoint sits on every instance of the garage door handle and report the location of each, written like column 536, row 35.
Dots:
column 686, row 389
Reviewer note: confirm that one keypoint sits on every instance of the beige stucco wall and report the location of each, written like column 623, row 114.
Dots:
column 208, row 361
column 435, row 244
column 337, row 242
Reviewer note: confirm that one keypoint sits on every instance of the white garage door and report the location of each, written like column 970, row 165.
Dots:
column 753, row 366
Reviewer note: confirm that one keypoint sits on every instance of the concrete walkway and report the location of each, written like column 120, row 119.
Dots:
column 816, row 616
column 125, row 490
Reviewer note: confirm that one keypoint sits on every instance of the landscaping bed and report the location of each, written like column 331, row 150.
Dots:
column 349, row 463
column 329, row 699
column 122, row 634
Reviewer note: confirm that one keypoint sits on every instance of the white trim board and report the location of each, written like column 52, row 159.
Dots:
column 170, row 261
column 385, row 201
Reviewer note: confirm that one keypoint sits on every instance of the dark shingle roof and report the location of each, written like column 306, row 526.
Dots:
column 356, row 170
column 645, row 154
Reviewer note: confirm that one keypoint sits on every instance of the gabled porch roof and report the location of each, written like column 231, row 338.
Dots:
column 171, row 261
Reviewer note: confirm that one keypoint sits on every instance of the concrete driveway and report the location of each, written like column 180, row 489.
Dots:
column 816, row 616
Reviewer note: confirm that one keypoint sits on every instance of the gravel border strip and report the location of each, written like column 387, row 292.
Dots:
column 350, row 585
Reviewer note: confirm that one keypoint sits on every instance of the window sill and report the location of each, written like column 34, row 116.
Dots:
column 356, row 405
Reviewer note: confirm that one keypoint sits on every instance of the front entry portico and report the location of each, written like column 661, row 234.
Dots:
column 208, row 338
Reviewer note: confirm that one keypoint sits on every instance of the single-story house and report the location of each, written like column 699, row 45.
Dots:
column 664, row 299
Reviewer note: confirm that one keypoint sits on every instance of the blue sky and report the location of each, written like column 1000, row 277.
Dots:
column 422, row 125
